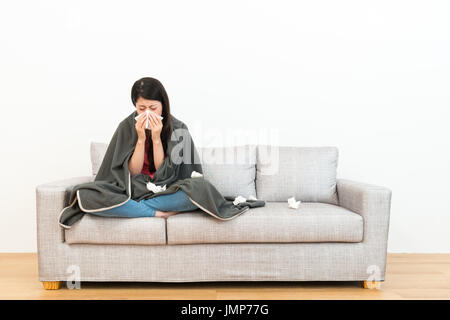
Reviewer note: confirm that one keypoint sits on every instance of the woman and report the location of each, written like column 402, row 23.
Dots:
column 149, row 153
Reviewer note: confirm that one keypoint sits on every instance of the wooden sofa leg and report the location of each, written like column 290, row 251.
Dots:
column 371, row 284
column 52, row 285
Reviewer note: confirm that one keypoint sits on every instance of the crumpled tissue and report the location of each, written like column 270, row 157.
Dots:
column 147, row 112
column 153, row 187
column 292, row 203
column 238, row 200
column 196, row 174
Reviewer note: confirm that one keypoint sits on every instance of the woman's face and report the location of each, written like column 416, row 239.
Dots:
column 144, row 104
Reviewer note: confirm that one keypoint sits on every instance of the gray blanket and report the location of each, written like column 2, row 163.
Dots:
column 114, row 185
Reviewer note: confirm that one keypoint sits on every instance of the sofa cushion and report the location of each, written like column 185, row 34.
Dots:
column 98, row 151
column 231, row 170
column 306, row 173
column 115, row 230
column 275, row 222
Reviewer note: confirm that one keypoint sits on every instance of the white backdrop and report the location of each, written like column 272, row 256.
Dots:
column 371, row 78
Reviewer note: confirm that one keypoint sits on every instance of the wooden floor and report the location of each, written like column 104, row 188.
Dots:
column 409, row 276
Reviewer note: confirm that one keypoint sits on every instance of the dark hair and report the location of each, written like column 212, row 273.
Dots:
column 152, row 89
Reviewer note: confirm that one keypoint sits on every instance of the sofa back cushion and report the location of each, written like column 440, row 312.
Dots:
column 306, row 173
column 231, row 170
column 98, row 151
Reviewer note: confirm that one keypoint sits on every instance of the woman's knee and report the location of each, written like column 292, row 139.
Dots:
column 177, row 201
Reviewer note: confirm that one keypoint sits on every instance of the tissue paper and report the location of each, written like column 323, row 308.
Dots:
column 153, row 187
column 147, row 115
column 292, row 203
column 196, row 174
column 238, row 200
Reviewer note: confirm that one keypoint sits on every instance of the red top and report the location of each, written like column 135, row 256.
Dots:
column 145, row 169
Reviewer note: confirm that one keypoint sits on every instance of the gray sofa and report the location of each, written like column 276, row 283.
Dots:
column 338, row 233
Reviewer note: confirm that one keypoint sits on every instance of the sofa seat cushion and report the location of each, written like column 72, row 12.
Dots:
column 275, row 222
column 105, row 230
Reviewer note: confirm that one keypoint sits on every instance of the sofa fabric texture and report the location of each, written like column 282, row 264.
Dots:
column 308, row 173
column 232, row 170
column 275, row 222
column 111, row 230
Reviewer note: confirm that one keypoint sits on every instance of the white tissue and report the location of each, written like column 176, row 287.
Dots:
column 292, row 203
column 196, row 174
column 238, row 200
column 147, row 112
column 153, row 187
column 252, row 197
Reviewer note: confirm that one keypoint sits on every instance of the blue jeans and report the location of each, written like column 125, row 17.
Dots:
column 177, row 201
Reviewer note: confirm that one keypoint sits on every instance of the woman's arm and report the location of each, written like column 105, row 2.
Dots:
column 137, row 159
column 158, row 152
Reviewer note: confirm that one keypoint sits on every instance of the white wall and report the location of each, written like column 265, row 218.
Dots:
column 371, row 78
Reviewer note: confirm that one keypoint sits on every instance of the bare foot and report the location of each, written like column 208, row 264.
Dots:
column 165, row 214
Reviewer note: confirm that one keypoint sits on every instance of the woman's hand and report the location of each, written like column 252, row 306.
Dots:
column 140, row 127
column 155, row 125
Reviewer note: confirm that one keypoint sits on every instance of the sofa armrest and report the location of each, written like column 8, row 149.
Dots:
column 51, row 198
column 373, row 203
